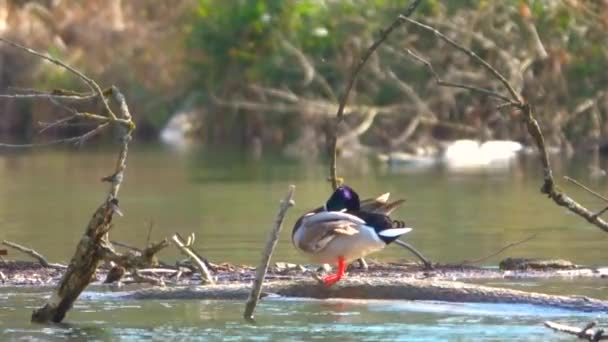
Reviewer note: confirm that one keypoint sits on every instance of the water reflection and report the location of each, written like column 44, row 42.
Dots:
column 229, row 201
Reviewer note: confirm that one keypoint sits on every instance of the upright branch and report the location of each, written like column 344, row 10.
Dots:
column 333, row 139
column 273, row 237
column 515, row 100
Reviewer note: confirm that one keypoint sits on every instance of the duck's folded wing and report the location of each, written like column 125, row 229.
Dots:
column 328, row 216
column 316, row 236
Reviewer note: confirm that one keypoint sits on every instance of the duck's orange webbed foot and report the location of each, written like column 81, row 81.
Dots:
column 334, row 278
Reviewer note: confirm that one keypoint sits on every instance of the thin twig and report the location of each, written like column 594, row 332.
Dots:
column 512, row 244
column 261, row 270
column 150, row 227
column 89, row 82
column 60, row 122
column 427, row 264
column 79, row 140
column 42, row 95
column 580, row 185
column 441, row 82
column 471, row 54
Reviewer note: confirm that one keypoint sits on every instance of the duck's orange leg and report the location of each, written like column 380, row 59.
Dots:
column 333, row 278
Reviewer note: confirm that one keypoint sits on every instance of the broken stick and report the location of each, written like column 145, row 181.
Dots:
column 185, row 248
column 271, row 243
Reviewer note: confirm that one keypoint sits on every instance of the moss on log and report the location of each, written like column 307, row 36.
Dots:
column 380, row 288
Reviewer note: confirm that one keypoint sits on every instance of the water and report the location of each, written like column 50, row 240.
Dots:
column 229, row 201
column 103, row 318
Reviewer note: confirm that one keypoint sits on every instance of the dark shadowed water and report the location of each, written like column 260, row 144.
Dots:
column 230, row 202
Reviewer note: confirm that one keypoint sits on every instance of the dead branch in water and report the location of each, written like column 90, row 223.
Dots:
column 94, row 245
column 261, row 270
column 586, row 333
column 39, row 257
column 186, row 248
column 515, row 100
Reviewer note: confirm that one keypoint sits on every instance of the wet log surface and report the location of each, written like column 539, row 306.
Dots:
column 379, row 288
column 380, row 281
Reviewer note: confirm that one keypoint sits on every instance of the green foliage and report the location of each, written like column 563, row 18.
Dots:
column 244, row 37
column 232, row 44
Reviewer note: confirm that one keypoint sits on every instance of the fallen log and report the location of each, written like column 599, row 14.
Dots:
column 380, row 288
column 585, row 333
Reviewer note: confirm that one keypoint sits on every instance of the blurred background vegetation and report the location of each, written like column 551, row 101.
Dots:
column 269, row 73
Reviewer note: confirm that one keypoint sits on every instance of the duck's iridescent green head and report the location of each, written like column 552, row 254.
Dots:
column 343, row 198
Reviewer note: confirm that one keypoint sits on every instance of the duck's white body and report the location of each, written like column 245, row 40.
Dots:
column 327, row 236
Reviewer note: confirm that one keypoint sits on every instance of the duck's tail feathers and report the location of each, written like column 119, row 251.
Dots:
column 383, row 198
column 398, row 224
column 388, row 209
column 394, row 232
column 380, row 205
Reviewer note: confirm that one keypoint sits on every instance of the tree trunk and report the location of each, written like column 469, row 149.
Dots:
column 81, row 270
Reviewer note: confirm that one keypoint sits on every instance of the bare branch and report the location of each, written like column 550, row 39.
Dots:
column 361, row 128
column 549, row 187
column 441, row 82
column 60, row 122
column 39, row 257
column 512, row 244
column 384, row 34
column 79, row 140
column 471, row 54
column 426, row 262
column 89, row 82
column 575, row 182
column 310, row 73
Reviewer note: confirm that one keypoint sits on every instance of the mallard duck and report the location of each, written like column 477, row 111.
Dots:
column 346, row 229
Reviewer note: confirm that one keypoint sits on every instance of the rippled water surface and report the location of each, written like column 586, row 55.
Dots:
column 229, row 201
column 105, row 318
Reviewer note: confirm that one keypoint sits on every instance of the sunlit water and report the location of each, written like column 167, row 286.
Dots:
column 105, row 318
column 230, row 202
